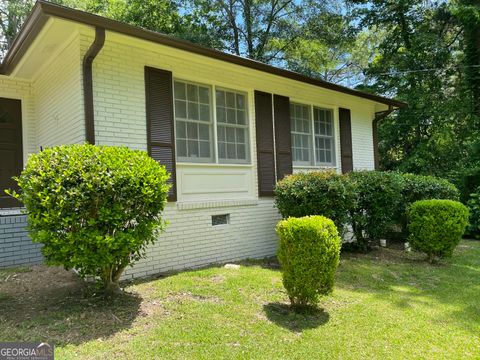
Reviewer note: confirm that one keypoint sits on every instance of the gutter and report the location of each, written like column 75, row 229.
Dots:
column 90, row 55
column 379, row 116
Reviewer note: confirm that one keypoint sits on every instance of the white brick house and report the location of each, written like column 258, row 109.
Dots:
column 227, row 127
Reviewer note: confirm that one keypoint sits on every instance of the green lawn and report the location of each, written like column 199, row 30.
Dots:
column 386, row 305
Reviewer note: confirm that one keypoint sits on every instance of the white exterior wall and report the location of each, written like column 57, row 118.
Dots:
column 207, row 189
column 191, row 241
column 58, row 90
column 22, row 90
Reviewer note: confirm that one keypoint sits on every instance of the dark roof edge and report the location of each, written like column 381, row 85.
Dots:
column 29, row 31
column 43, row 9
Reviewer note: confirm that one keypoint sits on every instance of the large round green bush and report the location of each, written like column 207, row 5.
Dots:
column 316, row 193
column 309, row 253
column 436, row 226
column 379, row 195
column 418, row 187
column 94, row 208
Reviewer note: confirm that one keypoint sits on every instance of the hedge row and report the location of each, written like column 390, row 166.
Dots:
column 370, row 202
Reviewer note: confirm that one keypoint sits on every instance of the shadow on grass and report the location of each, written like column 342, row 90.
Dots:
column 296, row 321
column 408, row 281
column 54, row 305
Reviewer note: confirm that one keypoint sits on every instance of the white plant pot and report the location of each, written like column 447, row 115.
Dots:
column 383, row 242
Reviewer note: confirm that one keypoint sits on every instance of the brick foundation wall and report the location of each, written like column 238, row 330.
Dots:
column 16, row 247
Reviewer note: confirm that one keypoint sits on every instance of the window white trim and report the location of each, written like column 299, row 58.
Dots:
column 215, row 159
column 314, row 163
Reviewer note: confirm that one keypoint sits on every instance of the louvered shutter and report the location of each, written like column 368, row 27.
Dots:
column 346, row 140
column 160, row 122
column 283, row 146
column 265, row 148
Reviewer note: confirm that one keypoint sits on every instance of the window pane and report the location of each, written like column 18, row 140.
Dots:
column 192, row 105
column 193, row 111
column 220, row 98
column 180, row 90
column 241, row 153
column 192, row 148
column 180, row 109
column 240, row 117
column 240, row 101
column 241, row 136
column 192, row 131
column 204, row 95
column 230, row 99
column 181, row 148
column 231, row 134
column 204, row 131
column 192, row 92
column 231, row 116
column 205, row 112
column 232, row 139
column 221, row 133
column 222, row 152
column 204, row 149
column 301, row 133
column 221, row 116
column 181, row 130
column 231, row 153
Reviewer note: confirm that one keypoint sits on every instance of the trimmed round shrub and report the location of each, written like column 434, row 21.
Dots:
column 94, row 208
column 379, row 195
column 418, row 187
column 316, row 193
column 473, row 205
column 436, row 226
column 309, row 254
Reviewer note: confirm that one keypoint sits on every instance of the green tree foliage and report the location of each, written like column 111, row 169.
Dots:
column 423, row 61
column 94, row 208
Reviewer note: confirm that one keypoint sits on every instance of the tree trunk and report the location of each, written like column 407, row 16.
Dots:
column 110, row 277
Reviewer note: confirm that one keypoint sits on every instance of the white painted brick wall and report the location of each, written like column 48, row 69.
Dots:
column 59, row 98
column 22, row 89
column 191, row 241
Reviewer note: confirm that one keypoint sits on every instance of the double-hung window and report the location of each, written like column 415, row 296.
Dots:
column 324, row 140
column 301, row 130
column 312, row 132
column 195, row 121
column 232, row 126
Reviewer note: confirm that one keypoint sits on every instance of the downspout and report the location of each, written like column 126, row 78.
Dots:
column 90, row 55
column 379, row 116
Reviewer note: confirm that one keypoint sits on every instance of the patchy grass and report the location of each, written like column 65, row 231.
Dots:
column 386, row 305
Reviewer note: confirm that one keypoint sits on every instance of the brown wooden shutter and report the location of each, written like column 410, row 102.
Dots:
column 160, row 122
column 265, row 149
column 11, row 149
column 283, row 146
column 346, row 140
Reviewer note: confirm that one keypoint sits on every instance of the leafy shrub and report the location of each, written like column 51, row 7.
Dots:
column 309, row 254
column 417, row 187
column 473, row 205
column 379, row 195
column 94, row 208
column 316, row 193
column 436, row 226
